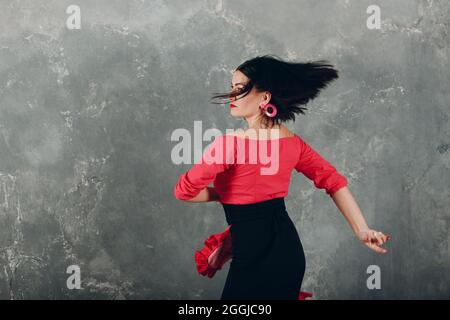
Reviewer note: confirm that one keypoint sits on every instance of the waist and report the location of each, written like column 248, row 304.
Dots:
column 244, row 212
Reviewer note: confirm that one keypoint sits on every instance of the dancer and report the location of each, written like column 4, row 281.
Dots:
column 268, row 258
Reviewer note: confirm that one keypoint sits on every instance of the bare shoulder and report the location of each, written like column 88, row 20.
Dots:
column 236, row 133
column 285, row 132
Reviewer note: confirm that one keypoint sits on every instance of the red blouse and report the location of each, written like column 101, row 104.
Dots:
column 238, row 178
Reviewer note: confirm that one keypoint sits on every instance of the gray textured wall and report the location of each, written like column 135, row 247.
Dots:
column 86, row 118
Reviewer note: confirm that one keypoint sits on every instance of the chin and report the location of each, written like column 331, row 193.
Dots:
column 235, row 114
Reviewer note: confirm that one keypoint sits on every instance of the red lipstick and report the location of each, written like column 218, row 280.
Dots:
column 232, row 105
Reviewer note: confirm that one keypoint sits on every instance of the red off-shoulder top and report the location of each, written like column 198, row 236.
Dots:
column 244, row 170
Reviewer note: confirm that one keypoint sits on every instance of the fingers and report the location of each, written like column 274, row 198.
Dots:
column 376, row 248
column 386, row 238
column 364, row 237
column 374, row 239
column 380, row 237
column 370, row 237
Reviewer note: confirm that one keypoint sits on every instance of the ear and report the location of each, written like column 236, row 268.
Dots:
column 267, row 96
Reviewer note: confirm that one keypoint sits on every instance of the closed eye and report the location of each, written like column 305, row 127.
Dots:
column 238, row 89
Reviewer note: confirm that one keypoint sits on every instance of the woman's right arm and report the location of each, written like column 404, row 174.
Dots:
column 192, row 186
column 207, row 194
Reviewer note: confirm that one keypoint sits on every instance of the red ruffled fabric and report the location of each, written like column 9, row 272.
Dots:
column 216, row 252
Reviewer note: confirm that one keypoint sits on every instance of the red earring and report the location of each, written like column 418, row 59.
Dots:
column 269, row 110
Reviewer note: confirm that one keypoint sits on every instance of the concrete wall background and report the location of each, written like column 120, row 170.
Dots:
column 86, row 118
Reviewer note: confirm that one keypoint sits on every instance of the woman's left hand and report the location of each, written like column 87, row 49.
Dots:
column 373, row 239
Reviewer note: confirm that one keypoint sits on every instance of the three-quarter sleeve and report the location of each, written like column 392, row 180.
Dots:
column 319, row 170
column 219, row 156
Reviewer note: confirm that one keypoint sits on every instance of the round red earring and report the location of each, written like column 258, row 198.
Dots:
column 269, row 110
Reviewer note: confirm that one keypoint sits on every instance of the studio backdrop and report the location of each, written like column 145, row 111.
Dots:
column 91, row 93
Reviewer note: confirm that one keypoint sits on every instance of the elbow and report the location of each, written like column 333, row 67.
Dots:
column 333, row 191
column 184, row 198
column 179, row 195
column 181, row 198
column 176, row 193
column 341, row 183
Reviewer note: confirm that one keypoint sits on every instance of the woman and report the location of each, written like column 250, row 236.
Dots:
column 268, row 259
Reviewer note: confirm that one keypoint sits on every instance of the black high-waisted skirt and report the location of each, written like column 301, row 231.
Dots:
column 268, row 259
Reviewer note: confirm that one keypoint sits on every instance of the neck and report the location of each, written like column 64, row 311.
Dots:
column 255, row 122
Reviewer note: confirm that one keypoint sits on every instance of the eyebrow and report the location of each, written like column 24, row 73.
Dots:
column 237, row 83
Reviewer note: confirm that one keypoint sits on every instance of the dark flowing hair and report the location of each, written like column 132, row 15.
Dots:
column 291, row 84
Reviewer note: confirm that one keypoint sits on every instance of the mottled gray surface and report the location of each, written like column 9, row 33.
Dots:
column 86, row 118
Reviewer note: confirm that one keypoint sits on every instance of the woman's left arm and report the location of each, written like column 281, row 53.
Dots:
column 349, row 208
